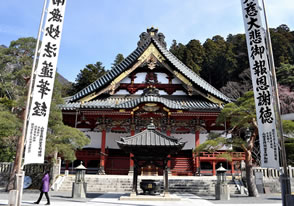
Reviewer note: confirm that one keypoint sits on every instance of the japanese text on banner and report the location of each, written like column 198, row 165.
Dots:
column 44, row 82
column 260, row 73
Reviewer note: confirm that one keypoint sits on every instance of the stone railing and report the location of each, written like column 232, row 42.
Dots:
column 35, row 171
column 272, row 172
column 218, row 154
column 6, row 167
column 5, row 170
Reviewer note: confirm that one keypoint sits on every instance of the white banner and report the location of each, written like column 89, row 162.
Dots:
column 262, row 86
column 43, row 83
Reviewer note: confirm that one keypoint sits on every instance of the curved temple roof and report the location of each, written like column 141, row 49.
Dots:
column 143, row 44
column 150, row 138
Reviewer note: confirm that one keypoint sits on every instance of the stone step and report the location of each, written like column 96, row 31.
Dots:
column 117, row 184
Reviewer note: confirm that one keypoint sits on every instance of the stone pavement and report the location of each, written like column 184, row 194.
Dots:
column 112, row 199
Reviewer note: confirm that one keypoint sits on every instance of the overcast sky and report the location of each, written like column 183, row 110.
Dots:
column 97, row 30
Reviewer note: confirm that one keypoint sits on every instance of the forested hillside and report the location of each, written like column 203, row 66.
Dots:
column 224, row 62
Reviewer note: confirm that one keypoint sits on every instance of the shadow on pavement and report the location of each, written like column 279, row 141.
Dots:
column 120, row 203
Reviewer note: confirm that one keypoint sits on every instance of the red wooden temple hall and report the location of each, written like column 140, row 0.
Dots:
column 150, row 83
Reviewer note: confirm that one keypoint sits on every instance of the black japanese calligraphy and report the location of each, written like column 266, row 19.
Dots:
column 266, row 115
column 252, row 23
column 261, row 83
column 40, row 109
column 43, row 87
column 275, row 144
column 257, row 50
column 259, row 68
column 255, row 37
column 251, row 9
column 47, row 70
column 50, row 50
column 30, row 138
column 53, row 32
column 56, row 15
column 58, row 2
column 264, row 98
column 265, row 155
column 40, row 150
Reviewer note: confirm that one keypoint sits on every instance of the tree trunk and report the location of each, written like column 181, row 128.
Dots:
column 11, row 181
column 18, row 158
column 252, row 190
column 55, row 156
column 251, row 186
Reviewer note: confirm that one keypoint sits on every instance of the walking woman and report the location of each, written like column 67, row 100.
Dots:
column 44, row 188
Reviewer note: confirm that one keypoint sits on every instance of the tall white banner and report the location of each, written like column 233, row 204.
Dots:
column 43, row 83
column 262, row 86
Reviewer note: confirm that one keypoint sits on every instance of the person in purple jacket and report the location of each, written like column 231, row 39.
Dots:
column 44, row 188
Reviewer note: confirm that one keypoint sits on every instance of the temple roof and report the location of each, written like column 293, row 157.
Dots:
column 150, row 138
column 145, row 40
column 127, row 103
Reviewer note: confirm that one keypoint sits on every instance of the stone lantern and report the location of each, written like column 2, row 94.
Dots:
column 79, row 188
column 222, row 191
column 221, row 174
column 80, row 173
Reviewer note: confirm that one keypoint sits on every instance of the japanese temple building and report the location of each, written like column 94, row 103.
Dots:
column 150, row 83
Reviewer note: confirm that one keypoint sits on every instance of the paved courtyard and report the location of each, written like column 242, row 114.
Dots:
column 112, row 199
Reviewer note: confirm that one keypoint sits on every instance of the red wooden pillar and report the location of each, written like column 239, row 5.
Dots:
column 197, row 142
column 232, row 166
column 131, row 155
column 213, row 168
column 102, row 152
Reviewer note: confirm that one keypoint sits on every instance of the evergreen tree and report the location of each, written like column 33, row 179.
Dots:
column 283, row 45
column 194, row 55
column 241, row 115
column 285, row 75
column 239, row 49
column 9, row 133
column 62, row 140
column 88, row 75
column 219, row 63
column 178, row 50
column 288, row 128
column 118, row 59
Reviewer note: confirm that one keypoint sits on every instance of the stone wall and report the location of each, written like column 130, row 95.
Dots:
column 274, row 185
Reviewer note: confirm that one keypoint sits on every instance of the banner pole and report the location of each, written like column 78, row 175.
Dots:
column 277, row 104
column 19, row 155
column 31, row 84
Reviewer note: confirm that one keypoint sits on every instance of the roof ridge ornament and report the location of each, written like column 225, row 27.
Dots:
column 150, row 90
column 151, row 33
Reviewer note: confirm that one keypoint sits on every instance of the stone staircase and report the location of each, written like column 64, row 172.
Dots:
column 102, row 183
column 123, row 183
